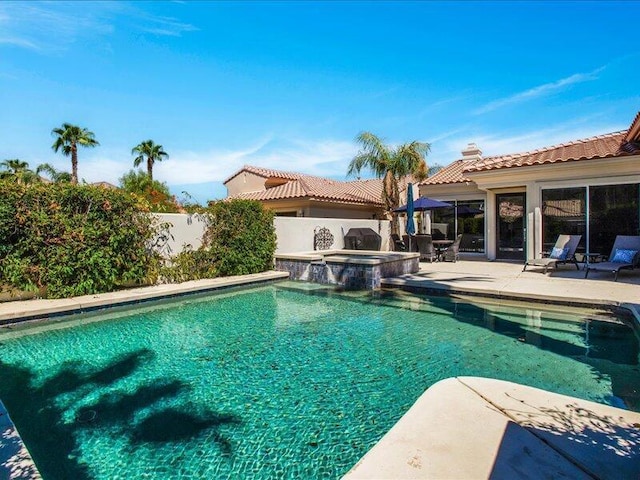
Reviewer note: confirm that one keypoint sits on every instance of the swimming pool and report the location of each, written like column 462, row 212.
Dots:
column 289, row 380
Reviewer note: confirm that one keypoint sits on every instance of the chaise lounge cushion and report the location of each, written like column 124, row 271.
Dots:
column 559, row 253
column 624, row 256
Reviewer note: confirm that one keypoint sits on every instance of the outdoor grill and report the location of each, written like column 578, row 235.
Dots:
column 362, row 239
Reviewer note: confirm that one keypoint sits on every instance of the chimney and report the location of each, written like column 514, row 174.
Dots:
column 472, row 152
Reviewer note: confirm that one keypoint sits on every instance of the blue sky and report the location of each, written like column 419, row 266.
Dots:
column 288, row 85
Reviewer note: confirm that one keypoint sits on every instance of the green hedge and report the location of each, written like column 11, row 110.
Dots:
column 239, row 239
column 68, row 240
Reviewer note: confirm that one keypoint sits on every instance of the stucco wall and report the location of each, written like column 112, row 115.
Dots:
column 296, row 234
column 184, row 230
column 245, row 182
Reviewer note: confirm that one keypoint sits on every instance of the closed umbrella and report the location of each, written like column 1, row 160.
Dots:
column 411, row 226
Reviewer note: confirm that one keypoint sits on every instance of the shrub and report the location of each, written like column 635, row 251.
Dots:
column 74, row 239
column 239, row 239
column 241, row 235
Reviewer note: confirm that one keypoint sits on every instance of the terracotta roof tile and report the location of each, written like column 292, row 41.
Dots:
column 601, row 146
column 266, row 173
column 319, row 188
column 452, row 173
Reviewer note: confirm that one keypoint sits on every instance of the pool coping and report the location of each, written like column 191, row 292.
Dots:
column 473, row 427
column 348, row 256
column 15, row 460
column 420, row 286
column 19, row 311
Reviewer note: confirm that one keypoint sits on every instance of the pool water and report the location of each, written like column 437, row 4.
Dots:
column 281, row 381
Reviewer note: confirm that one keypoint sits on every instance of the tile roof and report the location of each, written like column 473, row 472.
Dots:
column 617, row 144
column 266, row 173
column 601, row 146
column 453, row 173
column 301, row 185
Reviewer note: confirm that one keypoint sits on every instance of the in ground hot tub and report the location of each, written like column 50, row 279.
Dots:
column 353, row 269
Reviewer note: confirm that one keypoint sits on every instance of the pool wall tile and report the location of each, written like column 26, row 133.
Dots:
column 351, row 276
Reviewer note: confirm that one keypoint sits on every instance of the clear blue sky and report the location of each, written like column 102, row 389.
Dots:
column 288, row 85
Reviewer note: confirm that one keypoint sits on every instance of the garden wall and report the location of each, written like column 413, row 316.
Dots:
column 295, row 234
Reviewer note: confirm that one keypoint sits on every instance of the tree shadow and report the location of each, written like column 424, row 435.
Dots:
column 40, row 412
column 601, row 445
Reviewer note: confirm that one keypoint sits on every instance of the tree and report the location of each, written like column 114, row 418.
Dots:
column 391, row 164
column 149, row 151
column 17, row 170
column 155, row 192
column 55, row 175
column 67, row 139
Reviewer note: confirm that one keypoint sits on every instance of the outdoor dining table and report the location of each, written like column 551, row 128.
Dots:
column 442, row 245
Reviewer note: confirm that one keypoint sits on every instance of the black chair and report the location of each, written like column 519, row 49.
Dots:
column 452, row 253
column 411, row 244
column 426, row 248
column 398, row 244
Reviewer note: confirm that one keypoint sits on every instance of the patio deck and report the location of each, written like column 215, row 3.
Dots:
column 507, row 280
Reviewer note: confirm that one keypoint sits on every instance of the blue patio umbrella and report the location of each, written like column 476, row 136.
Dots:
column 424, row 203
column 411, row 226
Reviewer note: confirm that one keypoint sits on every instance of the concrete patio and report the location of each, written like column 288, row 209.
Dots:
column 507, row 280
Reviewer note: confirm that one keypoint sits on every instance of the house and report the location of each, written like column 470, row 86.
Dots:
column 514, row 206
column 301, row 195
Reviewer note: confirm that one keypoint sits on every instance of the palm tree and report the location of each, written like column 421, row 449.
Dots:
column 150, row 152
column 68, row 138
column 56, row 175
column 390, row 164
column 17, row 170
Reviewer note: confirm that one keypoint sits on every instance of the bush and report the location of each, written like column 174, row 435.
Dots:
column 240, row 239
column 74, row 239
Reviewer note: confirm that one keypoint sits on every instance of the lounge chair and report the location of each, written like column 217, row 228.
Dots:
column 624, row 254
column 398, row 244
column 452, row 252
column 563, row 252
column 425, row 247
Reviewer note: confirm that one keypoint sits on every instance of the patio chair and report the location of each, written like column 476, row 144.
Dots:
column 425, row 247
column 563, row 252
column 452, row 252
column 410, row 244
column 398, row 244
column 624, row 254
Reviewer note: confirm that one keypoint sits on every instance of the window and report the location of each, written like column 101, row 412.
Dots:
column 466, row 218
column 611, row 210
column 564, row 211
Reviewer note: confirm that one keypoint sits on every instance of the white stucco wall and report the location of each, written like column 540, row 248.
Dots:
column 185, row 229
column 295, row 234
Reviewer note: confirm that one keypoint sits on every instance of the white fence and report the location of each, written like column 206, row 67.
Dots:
column 295, row 234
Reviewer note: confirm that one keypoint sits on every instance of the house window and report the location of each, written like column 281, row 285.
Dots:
column 465, row 217
column 564, row 211
column 611, row 210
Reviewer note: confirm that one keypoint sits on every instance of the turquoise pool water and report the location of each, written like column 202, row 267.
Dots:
column 277, row 381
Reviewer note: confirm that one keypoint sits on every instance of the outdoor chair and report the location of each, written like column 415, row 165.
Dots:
column 452, row 252
column 426, row 248
column 624, row 254
column 563, row 252
column 410, row 244
column 398, row 244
